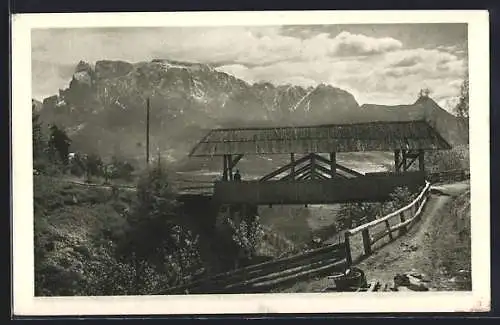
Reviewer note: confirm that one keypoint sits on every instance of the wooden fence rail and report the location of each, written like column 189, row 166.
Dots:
column 406, row 214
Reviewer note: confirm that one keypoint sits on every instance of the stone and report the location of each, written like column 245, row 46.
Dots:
column 401, row 280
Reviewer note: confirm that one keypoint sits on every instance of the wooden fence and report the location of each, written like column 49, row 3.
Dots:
column 386, row 225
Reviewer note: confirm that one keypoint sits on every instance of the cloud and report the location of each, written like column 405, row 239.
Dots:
column 377, row 79
column 356, row 44
column 374, row 69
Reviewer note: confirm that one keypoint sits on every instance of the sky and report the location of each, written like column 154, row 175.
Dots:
column 379, row 64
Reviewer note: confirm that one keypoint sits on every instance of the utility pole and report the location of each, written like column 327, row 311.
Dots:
column 147, row 131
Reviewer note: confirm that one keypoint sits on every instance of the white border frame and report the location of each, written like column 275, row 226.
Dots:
column 25, row 303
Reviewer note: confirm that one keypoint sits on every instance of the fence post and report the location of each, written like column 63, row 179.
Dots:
column 348, row 256
column 402, row 231
column 388, row 226
column 366, row 241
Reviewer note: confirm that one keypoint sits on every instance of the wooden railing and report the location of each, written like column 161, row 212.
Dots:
column 406, row 215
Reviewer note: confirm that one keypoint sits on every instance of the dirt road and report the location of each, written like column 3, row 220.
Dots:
column 418, row 251
column 426, row 249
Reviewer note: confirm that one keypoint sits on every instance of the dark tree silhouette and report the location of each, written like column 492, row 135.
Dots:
column 462, row 108
column 59, row 142
column 38, row 143
column 424, row 93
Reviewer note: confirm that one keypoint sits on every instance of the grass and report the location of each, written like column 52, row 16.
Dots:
column 300, row 224
column 451, row 253
column 69, row 221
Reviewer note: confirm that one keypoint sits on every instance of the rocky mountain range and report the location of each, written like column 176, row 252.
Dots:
column 104, row 107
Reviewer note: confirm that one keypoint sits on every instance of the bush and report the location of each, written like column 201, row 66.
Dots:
column 355, row 214
column 444, row 160
column 246, row 234
column 157, row 243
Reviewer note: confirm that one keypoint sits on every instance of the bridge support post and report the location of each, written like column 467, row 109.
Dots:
column 397, row 161
column 292, row 170
column 224, row 167
column 405, row 159
column 421, row 160
column 333, row 163
column 230, row 167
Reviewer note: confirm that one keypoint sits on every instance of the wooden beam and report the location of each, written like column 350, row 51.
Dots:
column 366, row 242
column 224, row 168
column 292, row 162
column 343, row 168
column 313, row 166
column 397, row 164
column 324, row 170
column 348, row 170
column 421, row 160
column 284, row 168
column 322, row 159
column 318, row 175
column 307, row 174
column 297, row 172
column 333, row 163
column 410, row 162
column 235, row 161
column 230, row 168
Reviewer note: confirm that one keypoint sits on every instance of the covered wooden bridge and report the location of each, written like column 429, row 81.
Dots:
column 313, row 175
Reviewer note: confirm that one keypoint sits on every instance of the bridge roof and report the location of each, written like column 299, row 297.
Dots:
column 368, row 136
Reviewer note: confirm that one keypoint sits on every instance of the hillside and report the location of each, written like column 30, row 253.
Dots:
column 104, row 107
column 450, row 127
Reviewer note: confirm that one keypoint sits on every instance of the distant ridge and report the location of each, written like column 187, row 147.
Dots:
column 104, row 107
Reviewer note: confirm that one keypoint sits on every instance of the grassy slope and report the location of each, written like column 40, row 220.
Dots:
column 70, row 220
column 451, row 246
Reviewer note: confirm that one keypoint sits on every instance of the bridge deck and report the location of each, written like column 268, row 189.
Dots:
column 372, row 187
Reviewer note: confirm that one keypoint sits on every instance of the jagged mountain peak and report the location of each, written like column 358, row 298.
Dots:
column 106, row 104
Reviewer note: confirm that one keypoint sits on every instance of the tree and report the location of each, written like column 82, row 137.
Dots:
column 424, row 93
column 354, row 214
column 462, row 108
column 247, row 234
column 93, row 165
column 38, row 141
column 120, row 169
column 59, row 143
column 78, row 165
column 157, row 240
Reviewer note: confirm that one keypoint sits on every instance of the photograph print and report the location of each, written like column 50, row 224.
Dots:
column 202, row 160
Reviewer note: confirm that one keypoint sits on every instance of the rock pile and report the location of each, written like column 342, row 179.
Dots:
column 410, row 281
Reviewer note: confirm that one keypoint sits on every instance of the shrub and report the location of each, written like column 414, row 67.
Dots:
column 444, row 160
column 156, row 242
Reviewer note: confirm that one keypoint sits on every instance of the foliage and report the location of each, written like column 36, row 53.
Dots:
column 355, row 214
column 444, row 160
column 119, row 169
column 399, row 198
column 93, row 165
column 78, row 165
column 424, row 93
column 156, row 239
column 59, row 144
column 38, row 138
column 247, row 234
column 462, row 108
